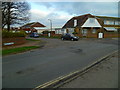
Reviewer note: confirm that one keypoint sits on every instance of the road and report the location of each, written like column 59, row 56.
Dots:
column 104, row 74
column 56, row 58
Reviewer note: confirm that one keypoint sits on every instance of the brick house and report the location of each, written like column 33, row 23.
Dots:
column 32, row 27
column 93, row 26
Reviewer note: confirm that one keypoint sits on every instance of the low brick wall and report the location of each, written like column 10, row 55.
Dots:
column 43, row 34
column 54, row 35
column 92, row 36
column 111, row 35
column 13, row 41
column 105, row 35
column 88, row 36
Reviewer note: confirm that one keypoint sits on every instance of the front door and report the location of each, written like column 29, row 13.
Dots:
column 84, row 32
column 100, row 35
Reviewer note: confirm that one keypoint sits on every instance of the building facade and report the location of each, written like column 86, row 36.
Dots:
column 93, row 26
column 33, row 27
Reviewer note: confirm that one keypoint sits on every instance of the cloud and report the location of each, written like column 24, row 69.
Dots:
column 72, row 0
column 61, row 12
column 43, row 11
column 57, row 17
column 84, row 7
column 39, row 13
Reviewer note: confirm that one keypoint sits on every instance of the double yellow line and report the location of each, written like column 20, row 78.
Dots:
column 72, row 75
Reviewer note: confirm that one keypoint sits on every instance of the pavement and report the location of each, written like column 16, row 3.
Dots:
column 57, row 58
column 103, row 75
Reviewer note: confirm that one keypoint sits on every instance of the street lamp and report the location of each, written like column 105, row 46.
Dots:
column 50, row 23
column 50, row 26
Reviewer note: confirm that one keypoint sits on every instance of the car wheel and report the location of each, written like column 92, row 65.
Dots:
column 62, row 38
column 72, row 39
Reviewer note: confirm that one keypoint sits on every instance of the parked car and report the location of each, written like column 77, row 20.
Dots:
column 68, row 36
column 34, row 34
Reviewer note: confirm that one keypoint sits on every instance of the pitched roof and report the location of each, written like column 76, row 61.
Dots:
column 34, row 24
column 37, row 24
column 108, row 17
column 81, row 20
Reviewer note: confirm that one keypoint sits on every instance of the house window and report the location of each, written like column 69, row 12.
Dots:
column 105, row 21
column 71, row 30
column 92, row 20
column 117, row 22
column 84, row 32
column 75, row 22
column 63, row 31
column 109, row 22
column 94, row 31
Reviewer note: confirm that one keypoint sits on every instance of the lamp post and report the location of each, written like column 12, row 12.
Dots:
column 50, row 23
column 50, row 27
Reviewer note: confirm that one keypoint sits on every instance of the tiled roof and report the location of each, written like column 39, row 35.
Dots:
column 34, row 24
column 108, row 17
column 80, row 21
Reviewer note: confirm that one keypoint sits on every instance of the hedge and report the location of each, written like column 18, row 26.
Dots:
column 46, row 32
column 10, row 34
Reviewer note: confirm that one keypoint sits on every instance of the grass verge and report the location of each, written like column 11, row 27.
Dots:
column 32, row 40
column 18, row 50
column 54, row 37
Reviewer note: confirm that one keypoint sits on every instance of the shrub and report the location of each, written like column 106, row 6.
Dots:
column 74, row 33
column 10, row 34
column 46, row 32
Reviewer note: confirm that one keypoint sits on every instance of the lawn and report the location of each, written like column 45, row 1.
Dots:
column 55, row 37
column 18, row 50
column 32, row 40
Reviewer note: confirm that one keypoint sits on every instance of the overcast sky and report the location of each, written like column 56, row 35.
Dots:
column 61, row 12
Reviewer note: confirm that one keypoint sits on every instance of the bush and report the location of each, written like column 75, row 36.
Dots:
column 74, row 33
column 10, row 34
column 46, row 32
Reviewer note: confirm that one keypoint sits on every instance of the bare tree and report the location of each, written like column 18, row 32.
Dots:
column 14, row 13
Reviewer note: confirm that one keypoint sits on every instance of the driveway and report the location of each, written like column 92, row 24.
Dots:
column 56, row 58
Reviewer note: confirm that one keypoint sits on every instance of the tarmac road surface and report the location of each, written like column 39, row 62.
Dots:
column 56, row 58
column 103, row 75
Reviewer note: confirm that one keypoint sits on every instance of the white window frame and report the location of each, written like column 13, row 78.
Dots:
column 92, row 20
column 109, row 22
column 71, row 30
column 117, row 22
column 75, row 22
column 84, row 31
column 94, row 31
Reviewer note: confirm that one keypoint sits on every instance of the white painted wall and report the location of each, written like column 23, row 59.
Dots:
column 91, row 22
column 70, row 30
column 63, row 31
column 58, row 32
column 28, row 31
column 40, row 31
